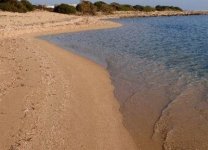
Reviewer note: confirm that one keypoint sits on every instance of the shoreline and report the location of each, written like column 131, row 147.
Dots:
column 132, row 14
column 141, row 135
column 62, row 24
column 54, row 99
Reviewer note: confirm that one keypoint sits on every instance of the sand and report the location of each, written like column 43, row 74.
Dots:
column 51, row 98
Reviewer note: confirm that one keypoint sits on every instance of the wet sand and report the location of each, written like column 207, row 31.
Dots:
column 50, row 98
column 163, row 107
column 167, row 117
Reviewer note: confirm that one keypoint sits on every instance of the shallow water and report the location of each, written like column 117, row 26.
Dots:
column 159, row 68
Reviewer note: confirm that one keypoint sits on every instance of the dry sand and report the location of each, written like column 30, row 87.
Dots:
column 50, row 98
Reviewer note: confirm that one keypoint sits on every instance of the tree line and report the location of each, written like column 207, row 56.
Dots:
column 85, row 7
column 16, row 6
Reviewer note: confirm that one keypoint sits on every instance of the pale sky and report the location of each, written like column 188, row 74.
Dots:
column 185, row 4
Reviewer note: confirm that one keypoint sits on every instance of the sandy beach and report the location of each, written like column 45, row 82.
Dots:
column 53, row 99
column 50, row 98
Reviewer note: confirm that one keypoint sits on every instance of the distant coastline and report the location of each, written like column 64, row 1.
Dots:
column 129, row 14
column 99, row 8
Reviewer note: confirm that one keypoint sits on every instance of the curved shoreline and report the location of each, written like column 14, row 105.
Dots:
column 54, row 99
column 144, row 121
column 51, row 98
column 105, row 104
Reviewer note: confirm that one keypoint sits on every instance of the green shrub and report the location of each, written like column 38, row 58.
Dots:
column 99, row 4
column 16, row 6
column 116, row 6
column 148, row 9
column 65, row 9
column 139, row 7
column 104, row 7
column 119, row 7
column 87, row 7
column 28, row 5
column 167, row 8
column 126, row 8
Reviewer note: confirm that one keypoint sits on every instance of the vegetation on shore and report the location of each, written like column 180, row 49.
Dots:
column 16, row 6
column 167, row 8
column 65, row 9
column 85, row 7
column 90, row 8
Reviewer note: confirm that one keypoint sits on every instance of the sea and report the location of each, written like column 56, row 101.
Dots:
column 159, row 68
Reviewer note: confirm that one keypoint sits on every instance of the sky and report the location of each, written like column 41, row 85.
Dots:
column 185, row 4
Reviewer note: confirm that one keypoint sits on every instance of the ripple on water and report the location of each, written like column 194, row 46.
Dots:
column 159, row 68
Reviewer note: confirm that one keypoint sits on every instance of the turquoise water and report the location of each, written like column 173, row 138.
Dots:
column 160, row 57
column 177, row 44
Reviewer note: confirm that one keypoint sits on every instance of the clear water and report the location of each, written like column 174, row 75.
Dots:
column 177, row 44
column 153, row 58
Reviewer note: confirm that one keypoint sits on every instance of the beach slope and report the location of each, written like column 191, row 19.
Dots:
column 51, row 98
